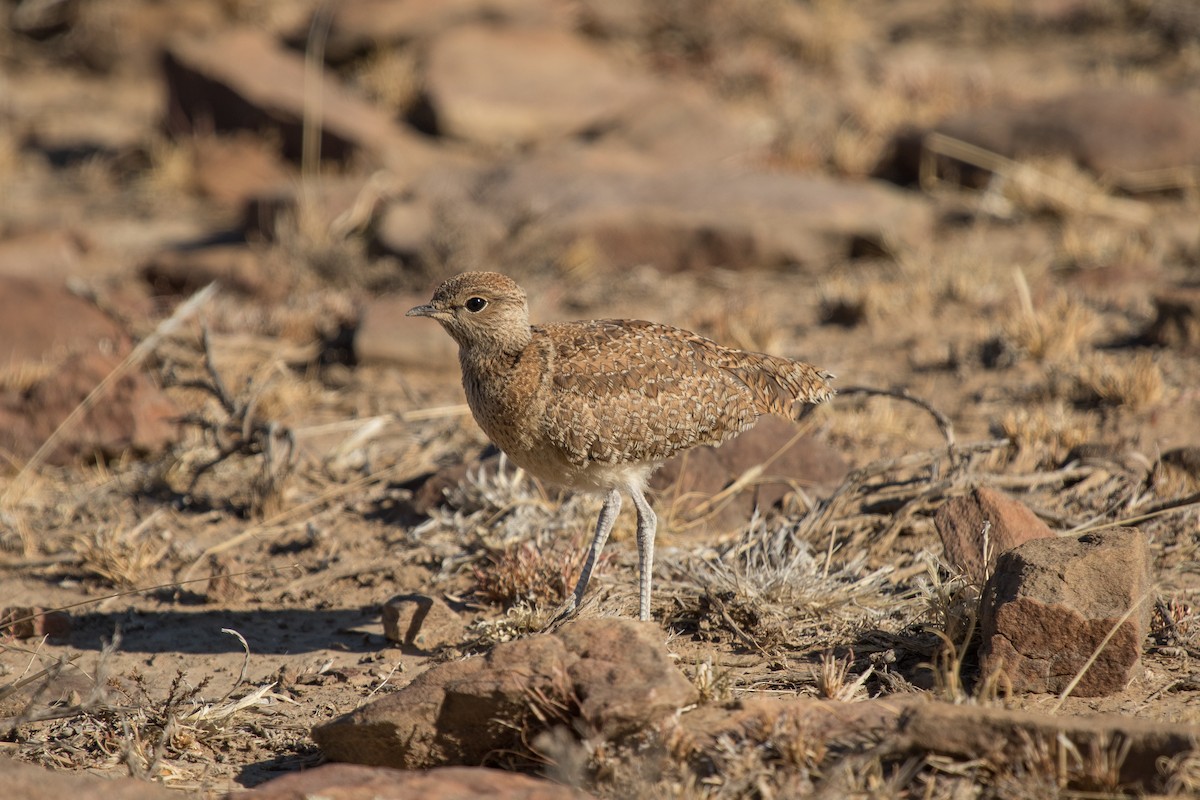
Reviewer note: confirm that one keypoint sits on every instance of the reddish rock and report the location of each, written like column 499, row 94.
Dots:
column 29, row 622
column 41, row 322
column 357, row 26
column 511, row 86
column 41, row 254
column 240, row 79
column 29, row 782
column 976, row 528
column 353, row 782
column 629, row 212
column 687, row 484
column 612, row 676
column 1112, row 132
column 386, row 336
column 1051, row 602
column 421, row 621
column 233, row 169
column 133, row 414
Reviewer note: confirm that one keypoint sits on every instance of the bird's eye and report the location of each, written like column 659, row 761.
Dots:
column 475, row 304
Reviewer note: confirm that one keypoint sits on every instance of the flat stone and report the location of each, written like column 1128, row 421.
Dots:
column 628, row 212
column 358, row 26
column 241, row 79
column 615, row 672
column 386, row 336
column 30, row 782
column 1115, row 133
column 688, row 483
column 512, row 86
column 1051, row 603
column 976, row 528
column 421, row 621
column 353, row 782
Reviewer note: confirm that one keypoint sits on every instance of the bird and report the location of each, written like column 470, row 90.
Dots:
column 598, row 405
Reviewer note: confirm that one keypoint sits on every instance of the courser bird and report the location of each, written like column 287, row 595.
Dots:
column 599, row 405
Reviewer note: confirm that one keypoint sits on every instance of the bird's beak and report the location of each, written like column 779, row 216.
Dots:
column 423, row 311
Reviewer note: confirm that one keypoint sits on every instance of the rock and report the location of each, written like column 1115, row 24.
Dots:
column 681, row 124
column 976, row 528
column 235, row 268
column 386, row 336
column 41, row 322
column 357, row 26
column 1051, row 602
column 1112, row 132
column 41, row 254
column 30, row 782
column 612, row 676
column 28, row 622
column 133, row 414
column 231, row 170
column 353, row 782
column 240, row 79
column 1176, row 320
column 514, row 86
column 629, row 212
column 688, row 482
column 59, row 347
column 1005, row 736
column 421, row 621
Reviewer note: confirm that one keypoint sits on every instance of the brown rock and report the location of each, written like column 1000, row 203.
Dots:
column 780, row 460
column 611, row 675
column 27, row 622
column 240, row 79
column 41, row 322
column 629, row 212
column 352, row 782
column 1051, row 603
column 512, row 86
column 421, row 621
column 133, row 414
column 976, row 528
column 1112, row 132
column 232, row 169
column 386, row 336
column 30, row 782
column 1005, row 736
column 41, row 254
column 357, row 26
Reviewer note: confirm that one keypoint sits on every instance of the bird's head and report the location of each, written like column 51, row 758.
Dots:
column 480, row 310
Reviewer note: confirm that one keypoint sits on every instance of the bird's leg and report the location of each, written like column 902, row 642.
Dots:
column 647, row 525
column 604, row 526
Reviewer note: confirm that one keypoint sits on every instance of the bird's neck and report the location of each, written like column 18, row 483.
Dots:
column 494, row 356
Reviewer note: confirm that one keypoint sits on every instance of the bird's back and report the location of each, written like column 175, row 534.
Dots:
column 633, row 392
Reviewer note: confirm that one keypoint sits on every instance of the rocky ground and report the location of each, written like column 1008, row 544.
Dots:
column 247, row 525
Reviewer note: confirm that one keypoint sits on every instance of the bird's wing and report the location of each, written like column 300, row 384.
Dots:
column 630, row 391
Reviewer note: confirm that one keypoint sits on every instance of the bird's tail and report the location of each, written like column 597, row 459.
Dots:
column 782, row 386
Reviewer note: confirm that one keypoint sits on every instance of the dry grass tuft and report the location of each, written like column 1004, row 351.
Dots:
column 1105, row 381
column 769, row 590
column 124, row 558
column 1043, row 436
column 1056, row 333
column 521, row 550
